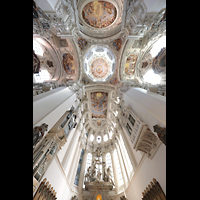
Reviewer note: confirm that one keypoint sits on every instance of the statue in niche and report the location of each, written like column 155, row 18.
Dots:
column 93, row 171
column 161, row 132
column 88, row 174
column 38, row 133
column 104, row 171
column 98, row 176
column 108, row 175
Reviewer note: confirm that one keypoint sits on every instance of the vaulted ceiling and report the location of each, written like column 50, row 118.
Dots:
column 102, row 48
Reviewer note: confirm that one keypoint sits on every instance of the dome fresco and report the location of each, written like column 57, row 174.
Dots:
column 99, row 68
column 99, row 14
column 99, row 63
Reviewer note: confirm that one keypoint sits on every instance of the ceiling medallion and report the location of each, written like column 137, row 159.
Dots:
column 99, row 68
column 99, row 14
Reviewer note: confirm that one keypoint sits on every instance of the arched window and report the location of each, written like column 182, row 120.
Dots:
column 42, row 76
column 91, row 137
column 110, row 134
column 37, row 48
column 98, row 138
column 119, row 172
column 79, row 168
column 126, row 157
column 88, row 161
column 109, row 163
column 105, row 137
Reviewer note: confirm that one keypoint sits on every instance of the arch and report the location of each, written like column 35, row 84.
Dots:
column 49, row 56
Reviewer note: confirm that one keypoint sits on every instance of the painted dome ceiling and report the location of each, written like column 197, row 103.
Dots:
column 99, row 14
column 99, row 68
column 99, row 63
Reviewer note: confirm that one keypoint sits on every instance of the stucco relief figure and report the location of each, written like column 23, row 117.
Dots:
column 88, row 174
column 98, row 176
column 93, row 171
column 104, row 170
column 108, row 173
column 38, row 133
column 161, row 132
column 99, row 153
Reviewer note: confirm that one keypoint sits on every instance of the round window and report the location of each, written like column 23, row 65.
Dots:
column 99, row 139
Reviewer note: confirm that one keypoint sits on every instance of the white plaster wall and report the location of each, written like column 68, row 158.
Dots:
column 50, row 106
column 58, row 181
column 149, row 169
column 62, row 152
column 148, row 106
column 46, row 5
column 151, row 109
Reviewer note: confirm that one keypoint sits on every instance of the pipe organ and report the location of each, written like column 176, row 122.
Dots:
column 45, row 191
column 153, row 191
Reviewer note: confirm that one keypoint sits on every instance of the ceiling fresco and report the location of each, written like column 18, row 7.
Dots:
column 99, row 101
column 99, row 63
column 68, row 64
column 99, row 68
column 82, row 43
column 130, row 65
column 117, row 44
column 114, row 81
column 99, row 14
column 159, row 62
